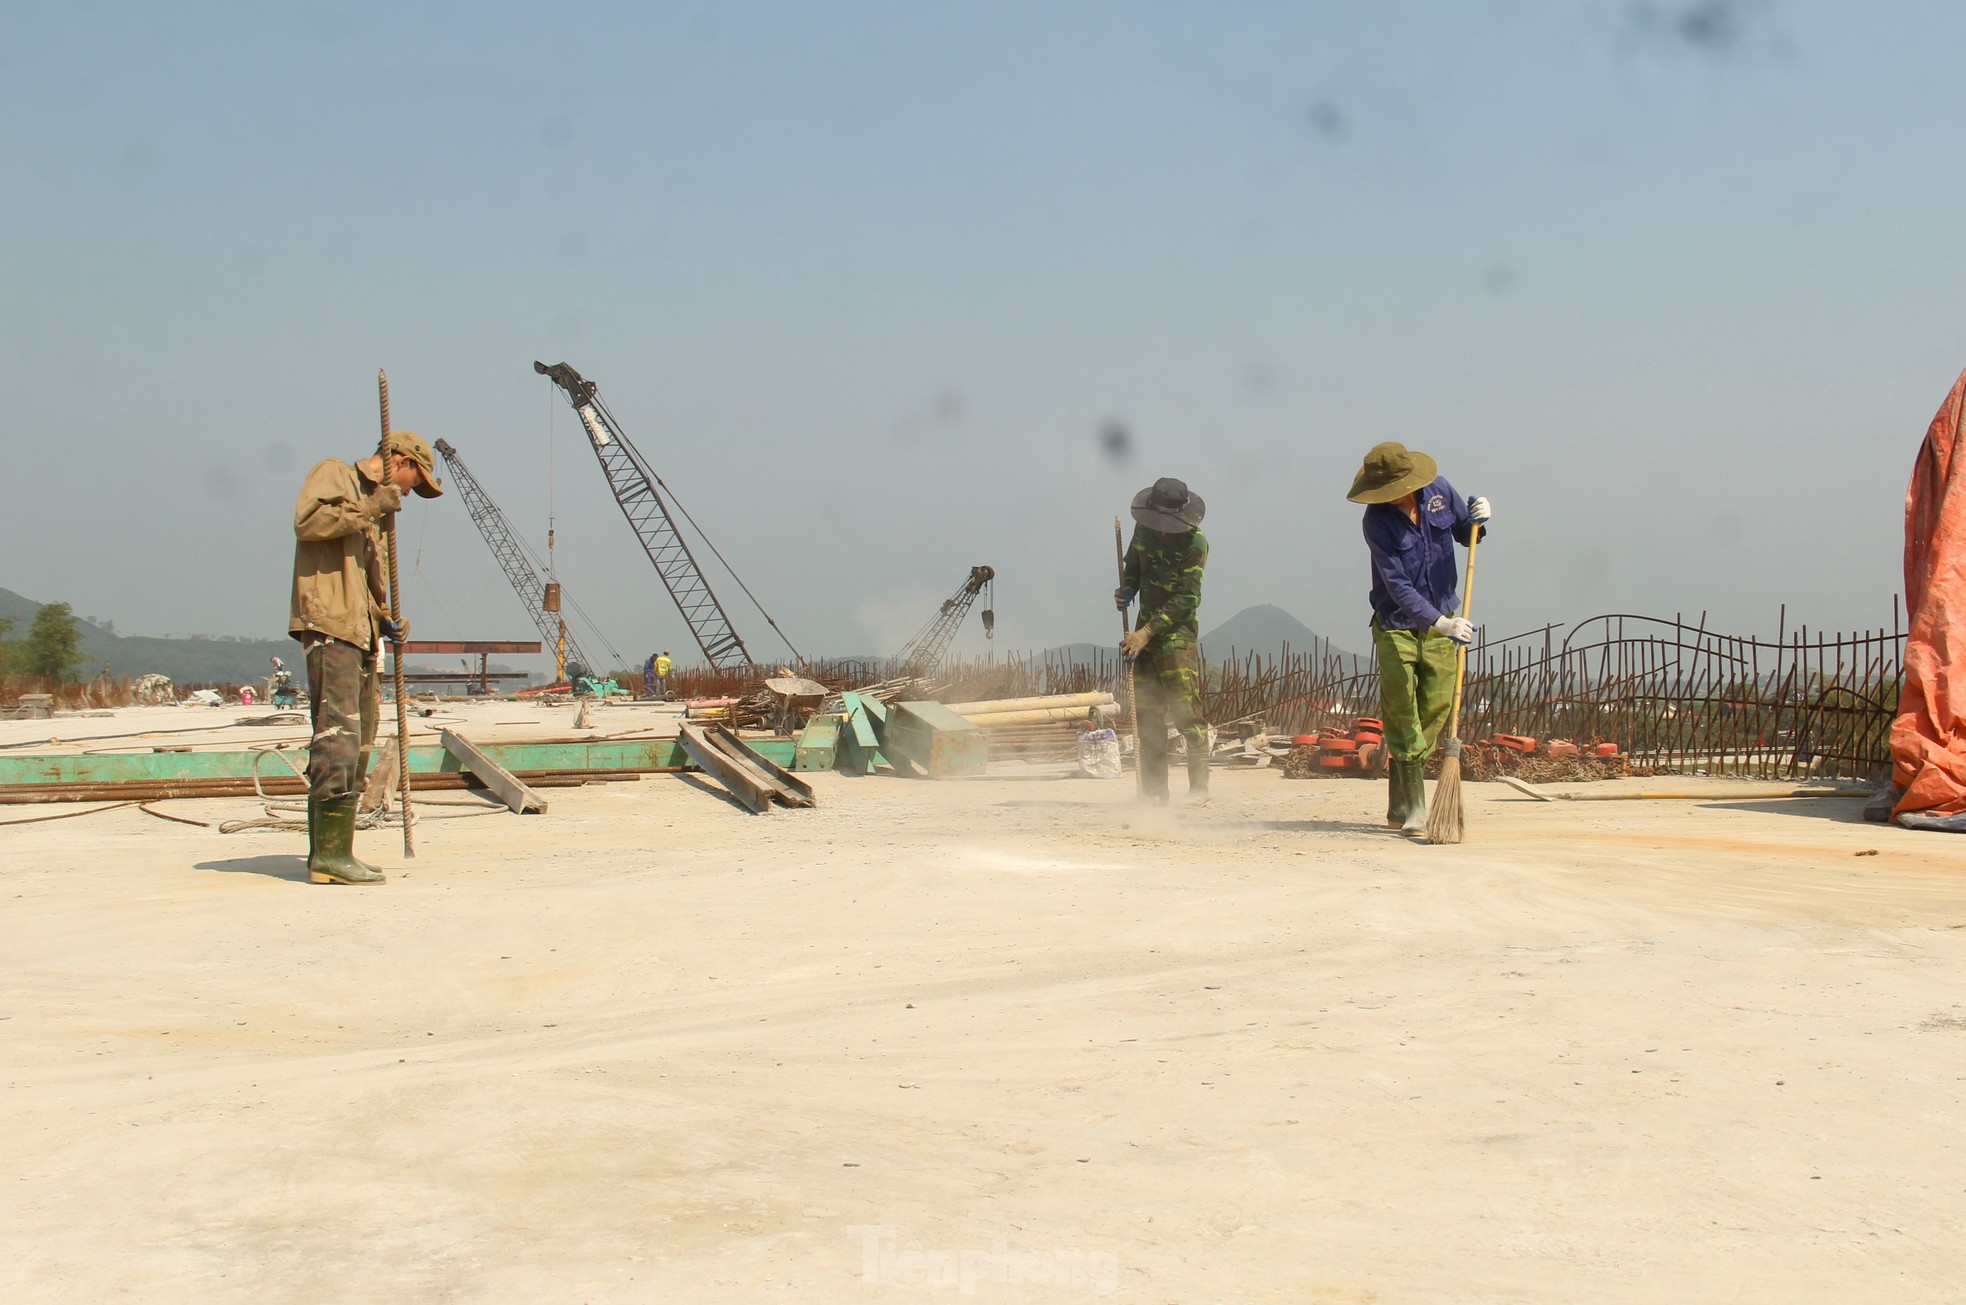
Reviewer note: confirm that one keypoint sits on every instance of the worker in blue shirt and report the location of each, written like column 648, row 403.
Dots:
column 1413, row 519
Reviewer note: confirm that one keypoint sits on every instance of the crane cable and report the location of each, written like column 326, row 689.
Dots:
column 799, row 656
column 549, row 566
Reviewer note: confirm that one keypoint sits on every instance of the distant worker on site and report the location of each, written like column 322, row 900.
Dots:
column 662, row 668
column 1413, row 519
column 1163, row 569
column 648, row 677
column 340, row 617
column 280, row 685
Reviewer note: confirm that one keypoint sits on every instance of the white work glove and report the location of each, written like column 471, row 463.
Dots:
column 1478, row 508
column 1455, row 628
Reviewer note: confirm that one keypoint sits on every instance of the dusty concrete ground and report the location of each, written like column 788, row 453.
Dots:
column 1012, row 1036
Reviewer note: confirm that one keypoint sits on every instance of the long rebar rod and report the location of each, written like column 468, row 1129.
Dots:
column 1132, row 716
column 396, row 615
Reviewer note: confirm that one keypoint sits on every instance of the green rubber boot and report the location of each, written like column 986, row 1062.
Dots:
column 1396, row 795
column 1198, row 777
column 1413, row 822
column 332, row 858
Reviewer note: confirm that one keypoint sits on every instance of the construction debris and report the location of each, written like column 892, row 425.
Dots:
column 290, row 786
column 1084, row 704
column 510, row 789
column 1708, row 795
column 753, row 780
column 934, row 741
column 33, row 706
column 1563, row 763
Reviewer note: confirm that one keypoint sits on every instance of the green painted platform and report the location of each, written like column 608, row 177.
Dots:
column 119, row 767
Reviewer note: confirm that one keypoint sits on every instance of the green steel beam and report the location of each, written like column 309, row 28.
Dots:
column 120, row 767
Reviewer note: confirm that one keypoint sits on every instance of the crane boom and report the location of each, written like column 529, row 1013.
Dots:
column 924, row 652
column 510, row 552
column 635, row 489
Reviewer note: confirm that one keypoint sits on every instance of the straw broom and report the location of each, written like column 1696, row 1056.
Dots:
column 1444, row 819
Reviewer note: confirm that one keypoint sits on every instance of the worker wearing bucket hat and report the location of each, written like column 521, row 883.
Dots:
column 1163, row 568
column 1413, row 519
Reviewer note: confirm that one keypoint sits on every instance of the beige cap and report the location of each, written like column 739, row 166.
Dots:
column 411, row 445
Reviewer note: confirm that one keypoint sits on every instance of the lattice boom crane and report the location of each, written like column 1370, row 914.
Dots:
column 542, row 600
column 925, row 651
column 639, row 492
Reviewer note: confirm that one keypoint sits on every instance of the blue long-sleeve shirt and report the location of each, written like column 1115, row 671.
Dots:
column 1414, row 576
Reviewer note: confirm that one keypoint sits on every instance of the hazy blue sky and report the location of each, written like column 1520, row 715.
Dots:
column 1677, row 285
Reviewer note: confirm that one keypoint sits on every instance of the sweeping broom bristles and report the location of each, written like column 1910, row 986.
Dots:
column 1444, row 823
column 1444, row 820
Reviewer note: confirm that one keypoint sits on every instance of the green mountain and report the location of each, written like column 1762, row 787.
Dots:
column 1264, row 630
column 200, row 659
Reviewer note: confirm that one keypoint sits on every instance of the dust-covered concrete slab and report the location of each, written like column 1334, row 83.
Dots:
column 1015, row 1036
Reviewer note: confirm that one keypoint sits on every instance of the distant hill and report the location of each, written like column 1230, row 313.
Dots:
column 1264, row 630
column 200, row 659
column 1084, row 652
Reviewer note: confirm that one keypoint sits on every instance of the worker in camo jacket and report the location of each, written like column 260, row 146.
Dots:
column 1413, row 519
column 1163, row 569
column 340, row 616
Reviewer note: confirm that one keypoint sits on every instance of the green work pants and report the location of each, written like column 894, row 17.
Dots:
column 1416, row 688
column 345, row 700
column 1167, row 693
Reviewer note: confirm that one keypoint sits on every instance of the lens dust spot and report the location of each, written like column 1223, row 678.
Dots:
column 1116, row 442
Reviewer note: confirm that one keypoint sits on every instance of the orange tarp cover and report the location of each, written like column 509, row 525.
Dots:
column 1928, row 737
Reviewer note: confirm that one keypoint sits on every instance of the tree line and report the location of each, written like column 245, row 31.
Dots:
column 51, row 649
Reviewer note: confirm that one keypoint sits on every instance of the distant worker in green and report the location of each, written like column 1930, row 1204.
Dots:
column 339, row 615
column 1163, row 569
column 1413, row 519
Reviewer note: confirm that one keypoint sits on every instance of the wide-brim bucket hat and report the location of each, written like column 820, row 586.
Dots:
column 1168, row 505
column 1390, row 471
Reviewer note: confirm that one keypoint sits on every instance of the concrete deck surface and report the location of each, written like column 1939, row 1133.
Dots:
column 1012, row 1037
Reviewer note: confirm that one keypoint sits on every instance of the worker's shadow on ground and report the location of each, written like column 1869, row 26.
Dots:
column 1841, row 811
column 1198, row 818
column 290, row 867
column 1317, row 827
column 1048, row 803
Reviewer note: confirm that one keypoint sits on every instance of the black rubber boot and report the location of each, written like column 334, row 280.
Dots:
column 332, row 860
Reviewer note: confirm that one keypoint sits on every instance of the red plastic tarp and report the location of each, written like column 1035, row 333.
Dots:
column 1928, row 736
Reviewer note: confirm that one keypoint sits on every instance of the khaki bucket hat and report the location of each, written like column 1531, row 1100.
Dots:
column 411, row 445
column 1391, row 471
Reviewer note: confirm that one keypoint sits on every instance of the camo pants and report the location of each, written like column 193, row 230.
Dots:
column 345, row 700
column 1167, row 693
column 1416, row 688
